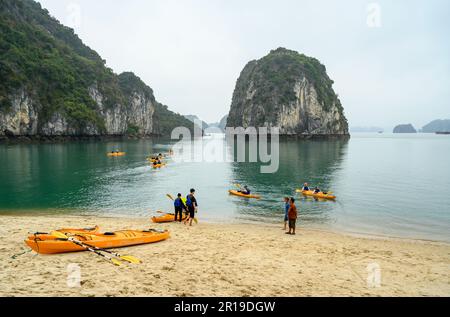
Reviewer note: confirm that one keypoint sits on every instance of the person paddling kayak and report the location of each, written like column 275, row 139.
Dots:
column 245, row 191
column 317, row 190
column 191, row 203
column 305, row 187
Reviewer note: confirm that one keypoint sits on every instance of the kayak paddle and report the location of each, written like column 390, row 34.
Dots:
column 127, row 258
column 60, row 235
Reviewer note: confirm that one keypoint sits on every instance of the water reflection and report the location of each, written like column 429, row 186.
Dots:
column 393, row 185
column 315, row 162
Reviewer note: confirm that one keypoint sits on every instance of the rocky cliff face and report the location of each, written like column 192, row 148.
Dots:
column 21, row 118
column 51, row 84
column 135, row 116
column 290, row 91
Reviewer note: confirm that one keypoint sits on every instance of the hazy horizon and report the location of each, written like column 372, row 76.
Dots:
column 389, row 61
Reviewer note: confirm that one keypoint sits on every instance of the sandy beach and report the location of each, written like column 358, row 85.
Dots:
column 225, row 260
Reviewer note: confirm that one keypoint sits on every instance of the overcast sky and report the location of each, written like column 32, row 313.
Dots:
column 390, row 60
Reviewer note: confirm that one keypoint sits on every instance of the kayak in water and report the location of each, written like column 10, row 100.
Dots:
column 319, row 195
column 239, row 194
column 49, row 244
column 116, row 154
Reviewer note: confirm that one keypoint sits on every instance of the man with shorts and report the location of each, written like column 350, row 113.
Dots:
column 292, row 215
column 192, row 206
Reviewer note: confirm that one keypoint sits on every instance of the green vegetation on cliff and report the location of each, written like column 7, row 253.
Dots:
column 166, row 120
column 283, row 67
column 51, row 64
column 289, row 90
column 39, row 55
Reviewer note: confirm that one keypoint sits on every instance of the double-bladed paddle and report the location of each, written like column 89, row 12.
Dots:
column 97, row 250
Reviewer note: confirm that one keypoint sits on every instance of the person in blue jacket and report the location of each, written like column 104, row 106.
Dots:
column 179, row 208
column 287, row 206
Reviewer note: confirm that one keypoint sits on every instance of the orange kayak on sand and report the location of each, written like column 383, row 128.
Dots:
column 319, row 195
column 236, row 193
column 166, row 218
column 93, row 230
column 48, row 244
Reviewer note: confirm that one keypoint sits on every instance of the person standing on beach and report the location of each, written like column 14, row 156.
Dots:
column 191, row 203
column 287, row 205
column 292, row 215
column 179, row 207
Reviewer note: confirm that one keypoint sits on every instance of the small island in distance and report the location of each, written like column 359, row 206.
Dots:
column 436, row 126
column 405, row 128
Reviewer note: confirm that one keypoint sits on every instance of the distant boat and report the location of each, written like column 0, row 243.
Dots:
column 443, row 133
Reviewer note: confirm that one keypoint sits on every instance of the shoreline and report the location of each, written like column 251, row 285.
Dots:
column 355, row 234
column 225, row 260
column 61, row 139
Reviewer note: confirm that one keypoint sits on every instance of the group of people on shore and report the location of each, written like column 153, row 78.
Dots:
column 185, row 208
column 291, row 213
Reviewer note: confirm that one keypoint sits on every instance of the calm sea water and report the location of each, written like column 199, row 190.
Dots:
column 394, row 185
